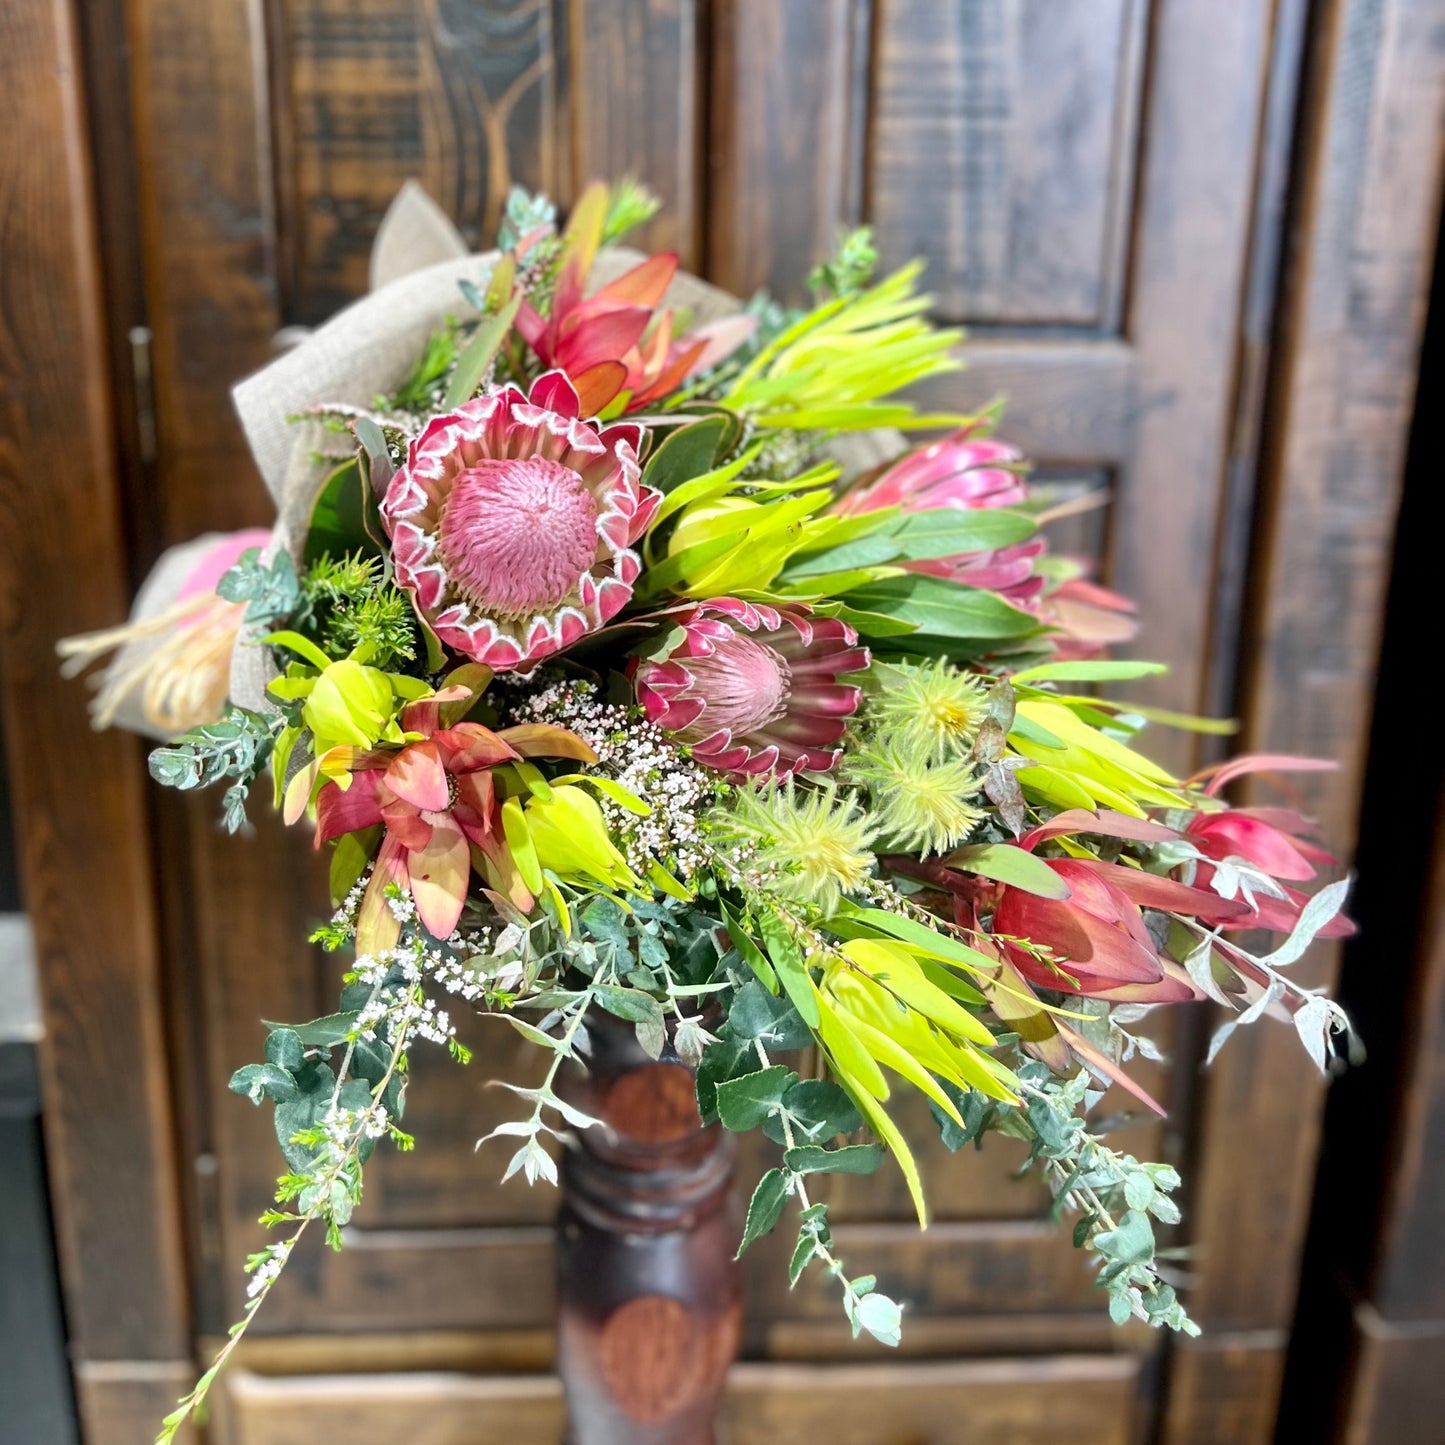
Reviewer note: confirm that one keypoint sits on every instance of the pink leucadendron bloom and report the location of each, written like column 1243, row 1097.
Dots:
column 513, row 520
column 755, row 690
column 966, row 471
column 1274, row 842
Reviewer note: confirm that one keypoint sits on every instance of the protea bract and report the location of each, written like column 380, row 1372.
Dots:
column 755, row 690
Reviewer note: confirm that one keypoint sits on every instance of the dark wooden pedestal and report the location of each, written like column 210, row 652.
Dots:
column 649, row 1302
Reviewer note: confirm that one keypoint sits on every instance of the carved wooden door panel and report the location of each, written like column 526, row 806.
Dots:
column 1083, row 178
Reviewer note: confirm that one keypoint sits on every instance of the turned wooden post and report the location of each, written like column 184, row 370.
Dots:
column 648, row 1295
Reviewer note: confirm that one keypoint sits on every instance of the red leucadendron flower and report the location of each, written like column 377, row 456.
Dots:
column 1093, row 927
column 437, row 800
column 617, row 341
column 1273, row 841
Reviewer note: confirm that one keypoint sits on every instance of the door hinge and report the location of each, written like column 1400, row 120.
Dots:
column 143, row 392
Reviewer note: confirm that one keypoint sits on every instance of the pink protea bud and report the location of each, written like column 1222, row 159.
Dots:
column 512, row 523
column 755, row 689
column 961, row 470
column 965, row 471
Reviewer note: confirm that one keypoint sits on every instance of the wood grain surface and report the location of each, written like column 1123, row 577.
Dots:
column 79, row 799
column 1201, row 295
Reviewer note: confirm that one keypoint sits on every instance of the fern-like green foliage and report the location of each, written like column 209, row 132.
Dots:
column 353, row 606
column 629, row 205
column 851, row 268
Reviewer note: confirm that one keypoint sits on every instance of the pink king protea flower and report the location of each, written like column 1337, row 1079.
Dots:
column 512, row 523
column 755, row 689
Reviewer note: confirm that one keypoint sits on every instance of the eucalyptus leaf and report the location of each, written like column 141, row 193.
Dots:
column 850, row 1159
column 263, row 1081
column 638, row 1008
column 1199, row 965
column 285, row 1049
column 320, row 1033
column 1314, row 1021
column 744, row 1103
column 764, row 1208
column 803, row 1254
column 1130, row 1242
column 818, row 1110
column 1315, row 915
column 773, row 1022
column 728, row 1058
column 881, row 1317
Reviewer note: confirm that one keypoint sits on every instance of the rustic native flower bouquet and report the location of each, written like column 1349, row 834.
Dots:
column 625, row 659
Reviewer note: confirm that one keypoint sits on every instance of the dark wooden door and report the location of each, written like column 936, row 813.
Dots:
column 1099, row 188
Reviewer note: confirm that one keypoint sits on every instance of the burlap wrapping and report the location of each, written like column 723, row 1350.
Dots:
column 368, row 348
column 415, row 233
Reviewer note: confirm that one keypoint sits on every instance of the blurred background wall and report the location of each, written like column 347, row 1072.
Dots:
column 1193, row 244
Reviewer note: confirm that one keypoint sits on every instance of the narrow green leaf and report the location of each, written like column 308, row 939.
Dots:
column 373, row 443
column 479, row 353
column 787, row 961
column 924, row 939
column 751, row 953
column 869, row 551
column 1095, row 670
column 944, row 609
column 301, row 646
column 338, row 518
column 349, row 857
column 688, row 452
column 1008, row 863
column 949, row 532
column 519, row 841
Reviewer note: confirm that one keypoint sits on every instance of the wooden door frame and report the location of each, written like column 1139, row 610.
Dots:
column 1365, row 214
column 81, row 804
column 1366, row 183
